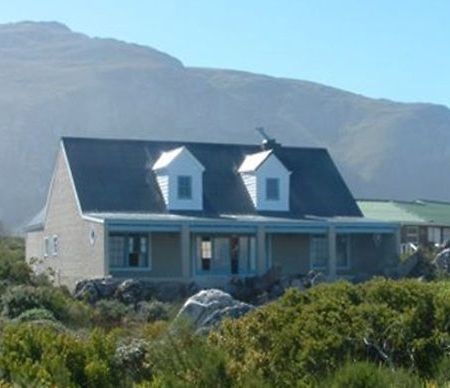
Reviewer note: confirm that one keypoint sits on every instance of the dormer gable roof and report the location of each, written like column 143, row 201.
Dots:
column 168, row 157
column 252, row 162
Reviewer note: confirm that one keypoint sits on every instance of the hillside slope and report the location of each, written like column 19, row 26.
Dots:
column 55, row 82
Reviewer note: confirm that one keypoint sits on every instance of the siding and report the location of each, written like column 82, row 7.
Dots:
column 250, row 184
column 77, row 258
column 291, row 253
column 34, row 245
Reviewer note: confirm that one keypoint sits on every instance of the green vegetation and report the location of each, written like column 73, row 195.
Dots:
column 381, row 333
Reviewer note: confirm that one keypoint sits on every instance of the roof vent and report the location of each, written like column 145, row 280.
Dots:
column 268, row 142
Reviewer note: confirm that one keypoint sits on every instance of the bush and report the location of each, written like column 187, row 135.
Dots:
column 36, row 314
column 153, row 311
column 109, row 313
column 183, row 359
column 41, row 356
column 19, row 299
column 13, row 268
column 369, row 375
column 305, row 335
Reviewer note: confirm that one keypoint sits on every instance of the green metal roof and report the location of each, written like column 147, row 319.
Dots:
column 414, row 212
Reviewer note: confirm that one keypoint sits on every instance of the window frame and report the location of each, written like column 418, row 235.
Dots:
column 275, row 181
column 182, row 185
column 126, row 252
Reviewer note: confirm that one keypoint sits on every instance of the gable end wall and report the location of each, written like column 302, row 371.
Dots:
column 77, row 258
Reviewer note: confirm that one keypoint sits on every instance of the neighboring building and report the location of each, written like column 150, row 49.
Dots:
column 203, row 212
column 423, row 222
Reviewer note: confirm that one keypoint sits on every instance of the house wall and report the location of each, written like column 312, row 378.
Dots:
column 165, row 256
column 34, row 245
column 77, row 257
column 291, row 252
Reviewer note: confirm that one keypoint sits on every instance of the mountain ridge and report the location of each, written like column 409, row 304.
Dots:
column 56, row 82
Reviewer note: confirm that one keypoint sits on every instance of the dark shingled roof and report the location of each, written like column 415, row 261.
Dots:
column 116, row 176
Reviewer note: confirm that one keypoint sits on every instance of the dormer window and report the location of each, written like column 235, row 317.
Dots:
column 180, row 179
column 184, row 187
column 266, row 180
column 272, row 189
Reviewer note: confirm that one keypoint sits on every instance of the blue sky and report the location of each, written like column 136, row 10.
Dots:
column 388, row 49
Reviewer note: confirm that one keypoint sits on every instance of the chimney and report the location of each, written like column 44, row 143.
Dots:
column 267, row 143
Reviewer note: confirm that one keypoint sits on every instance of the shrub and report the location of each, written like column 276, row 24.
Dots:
column 183, row 359
column 153, row 311
column 306, row 335
column 36, row 314
column 18, row 299
column 109, row 313
column 369, row 375
column 41, row 356
column 13, row 267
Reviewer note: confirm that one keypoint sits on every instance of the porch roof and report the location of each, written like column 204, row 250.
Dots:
column 228, row 221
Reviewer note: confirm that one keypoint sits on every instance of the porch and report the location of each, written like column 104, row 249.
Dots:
column 214, row 252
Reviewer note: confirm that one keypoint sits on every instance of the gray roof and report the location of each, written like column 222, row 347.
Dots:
column 116, row 176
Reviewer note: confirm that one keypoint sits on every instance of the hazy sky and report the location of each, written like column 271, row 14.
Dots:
column 397, row 49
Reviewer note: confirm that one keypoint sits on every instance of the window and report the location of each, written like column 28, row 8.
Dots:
column 206, row 253
column 55, row 244
column 184, row 187
column 272, row 189
column 319, row 252
column 137, row 251
column 412, row 234
column 116, row 251
column 46, row 247
column 128, row 251
column 343, row 251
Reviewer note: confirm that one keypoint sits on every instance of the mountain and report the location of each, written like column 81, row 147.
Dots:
column 56, row 82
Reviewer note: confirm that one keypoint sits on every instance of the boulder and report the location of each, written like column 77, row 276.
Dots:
column 442, row 260
column 206, row 309
column 92, row 290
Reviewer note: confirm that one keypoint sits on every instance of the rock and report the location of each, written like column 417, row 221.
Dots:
column 206, row 309
column 131, row 291
column 87, row 290
column 442, row 260
column 92, row 290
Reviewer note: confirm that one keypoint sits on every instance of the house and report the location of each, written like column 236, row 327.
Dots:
column 423, row 222
column 206, row 212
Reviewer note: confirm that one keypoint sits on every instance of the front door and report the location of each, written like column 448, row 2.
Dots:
column 225, row 255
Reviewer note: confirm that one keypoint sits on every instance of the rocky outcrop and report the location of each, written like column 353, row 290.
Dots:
column 207, row 309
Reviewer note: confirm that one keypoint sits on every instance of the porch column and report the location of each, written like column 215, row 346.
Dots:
column 261, row 249
column 398, row 242
column 185, row 251
column 332, row 253
column 106, row 250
